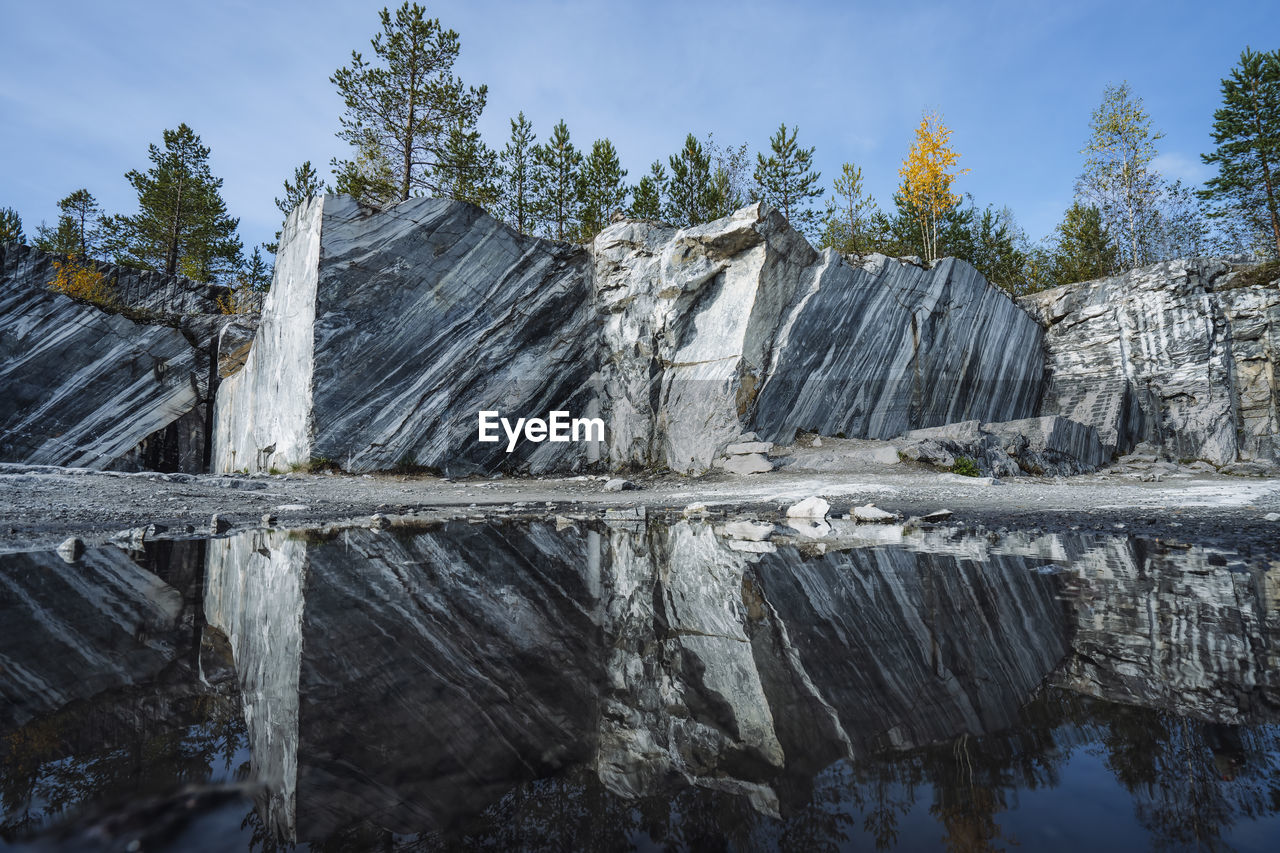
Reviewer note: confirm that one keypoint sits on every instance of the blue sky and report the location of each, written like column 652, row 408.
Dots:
column 85, row 87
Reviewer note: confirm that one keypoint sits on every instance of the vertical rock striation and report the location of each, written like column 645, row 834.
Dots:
column 1174, row 354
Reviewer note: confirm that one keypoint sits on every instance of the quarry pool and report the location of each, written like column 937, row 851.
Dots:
column 571, row 684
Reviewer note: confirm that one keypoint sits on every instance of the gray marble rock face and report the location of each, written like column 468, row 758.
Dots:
column 1173, row 354
column 387, row 333
column 89, row 388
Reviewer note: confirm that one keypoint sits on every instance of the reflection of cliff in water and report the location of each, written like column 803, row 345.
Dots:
column 511, row 683
column 112, row 687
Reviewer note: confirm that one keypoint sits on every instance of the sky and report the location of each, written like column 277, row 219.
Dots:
column 85, row 87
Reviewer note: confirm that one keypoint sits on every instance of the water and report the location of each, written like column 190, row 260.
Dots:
column 522, row 685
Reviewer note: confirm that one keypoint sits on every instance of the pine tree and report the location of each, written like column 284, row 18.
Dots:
column 10, row 226
column 601, row 190
column 181, row 226
column 994, row 240
column 517, row 168
column 78, row 230
column 471, row 170
column 401, row 111
column 1246, row 131
column 926, row 183
column 786, row 179
column 369, row 178
column 693, row 194
column 305, row 184
column 849, row 213
column 646, row 196
column 556, row 187
column 1117, row 177
column 256, row 272
column 1084, row 250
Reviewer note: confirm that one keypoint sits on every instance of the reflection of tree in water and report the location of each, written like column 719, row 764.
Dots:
column 1190, row 780
column 114, row 749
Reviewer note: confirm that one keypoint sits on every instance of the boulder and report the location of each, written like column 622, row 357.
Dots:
column 748, row 463
column 809, row 508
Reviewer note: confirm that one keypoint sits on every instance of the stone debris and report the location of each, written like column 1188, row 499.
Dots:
column 378, row 521
column 219, row 524
column 71, row 549
column 745, row 447
column 937, row 515
column 814, row 507
column 871, row 513
column 694, row 509
column 747, row 463
column 617, row 484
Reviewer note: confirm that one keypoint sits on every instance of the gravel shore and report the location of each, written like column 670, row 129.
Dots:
column 40, row 506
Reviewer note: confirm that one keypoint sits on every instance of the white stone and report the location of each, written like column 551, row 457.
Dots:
column 751, row 463
column 871, row 513
column 814, row 507
column 748, row 447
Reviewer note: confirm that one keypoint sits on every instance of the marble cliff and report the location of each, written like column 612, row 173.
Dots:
column 387, row 332
column 127, row 389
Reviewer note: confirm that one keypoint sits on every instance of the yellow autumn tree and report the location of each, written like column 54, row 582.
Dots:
column 927, row 176
column 82, row 280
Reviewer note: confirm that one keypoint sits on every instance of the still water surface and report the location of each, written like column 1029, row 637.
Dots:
column 522, row 685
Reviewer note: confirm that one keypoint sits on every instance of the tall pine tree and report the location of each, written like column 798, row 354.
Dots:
column 601, row 188
column 1246, row 129
column 556, row 187
column 517, row 176
column 306, row 183
column 78, row 231
column 402, row 109
column 693, row 194
column 786, row 179
column 181, row 226
column 471, row 170
column 646, row 196
column 10, row 226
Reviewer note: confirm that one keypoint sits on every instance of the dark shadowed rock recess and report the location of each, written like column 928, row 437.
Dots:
column 84, row 387
column 387, row 332
column 1178, row 355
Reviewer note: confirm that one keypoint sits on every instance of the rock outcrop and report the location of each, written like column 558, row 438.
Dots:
column 388, row 332
column 85, row 387
column 1051, row 445
column 1176, row 354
